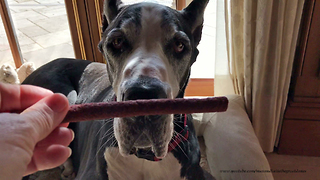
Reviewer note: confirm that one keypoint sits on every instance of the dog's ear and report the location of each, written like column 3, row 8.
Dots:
column 111, row 8
column 193, row 14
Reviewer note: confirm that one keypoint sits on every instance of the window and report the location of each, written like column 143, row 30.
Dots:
column 41, row 29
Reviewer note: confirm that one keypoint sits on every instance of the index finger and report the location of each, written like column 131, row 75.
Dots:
column 20, row 97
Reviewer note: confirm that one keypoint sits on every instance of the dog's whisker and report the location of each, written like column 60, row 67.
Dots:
column 180, row 136
column 181, row 149
column 104, row 122
column 177, row 135
column 107, row 132
column 171, row 145
column 175, row 123
column 100, row 148
column 181, row 140
column 110, row 135
column 114, row 142
column 110, row 138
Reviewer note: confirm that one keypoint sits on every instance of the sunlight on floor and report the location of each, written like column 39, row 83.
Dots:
column 42, row 29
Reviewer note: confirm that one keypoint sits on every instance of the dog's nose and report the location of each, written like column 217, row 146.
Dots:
column 149, row 88
column 145, row 92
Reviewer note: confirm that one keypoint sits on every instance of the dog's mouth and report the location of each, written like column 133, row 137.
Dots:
column 144, row 135
column 149, row 151
column 146, row 153
column 145, row 150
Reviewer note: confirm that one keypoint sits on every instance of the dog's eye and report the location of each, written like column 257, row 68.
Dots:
column 117, row 43
column 178, row 46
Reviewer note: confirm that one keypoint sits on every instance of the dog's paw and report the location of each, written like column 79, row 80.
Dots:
column 67, row 170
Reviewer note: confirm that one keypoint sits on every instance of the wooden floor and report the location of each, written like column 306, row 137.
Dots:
column 294, row 167
column 200, row 87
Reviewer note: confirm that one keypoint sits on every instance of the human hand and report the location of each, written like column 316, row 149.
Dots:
column 34, row 139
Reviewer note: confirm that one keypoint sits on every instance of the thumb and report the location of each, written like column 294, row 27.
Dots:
column 46, row 115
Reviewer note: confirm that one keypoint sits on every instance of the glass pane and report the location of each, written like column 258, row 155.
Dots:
column 204, row 67
column 5, row 53
column 42, row 29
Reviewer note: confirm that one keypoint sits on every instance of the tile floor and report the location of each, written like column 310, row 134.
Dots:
column 42, row 30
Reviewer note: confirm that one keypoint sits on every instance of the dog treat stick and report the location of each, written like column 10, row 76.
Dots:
column 105, row 110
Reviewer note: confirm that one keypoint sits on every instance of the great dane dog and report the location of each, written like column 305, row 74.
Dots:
column 149, row 50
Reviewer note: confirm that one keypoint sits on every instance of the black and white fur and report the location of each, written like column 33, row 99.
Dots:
column 149, row 50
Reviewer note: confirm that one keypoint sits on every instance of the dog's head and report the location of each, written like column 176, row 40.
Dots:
column 149, row 49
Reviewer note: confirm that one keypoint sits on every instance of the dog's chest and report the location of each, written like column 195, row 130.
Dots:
column 133, row 168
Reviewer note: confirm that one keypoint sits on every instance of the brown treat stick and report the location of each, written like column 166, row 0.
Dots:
column 106, row 110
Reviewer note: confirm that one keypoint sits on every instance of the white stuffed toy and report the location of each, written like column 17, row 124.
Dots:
column 25, row 70
column 9, row 74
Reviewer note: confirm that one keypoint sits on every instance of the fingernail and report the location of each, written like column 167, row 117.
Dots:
column 72, row 134
column 57, row 102
column 70, row 150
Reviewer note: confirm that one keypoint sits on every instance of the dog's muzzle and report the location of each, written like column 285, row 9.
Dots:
column 144, row 132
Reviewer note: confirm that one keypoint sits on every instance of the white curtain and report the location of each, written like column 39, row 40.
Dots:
column 261, row 42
